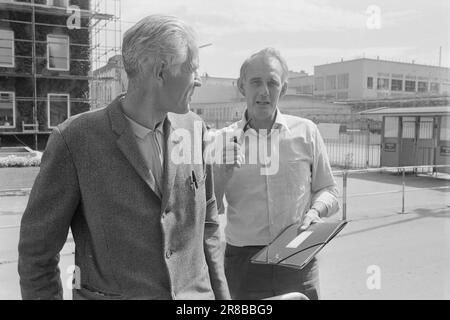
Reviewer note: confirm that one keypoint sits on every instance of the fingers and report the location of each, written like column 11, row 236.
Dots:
column 311, row 217
column 306, row 223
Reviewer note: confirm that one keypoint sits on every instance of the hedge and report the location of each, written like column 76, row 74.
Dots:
column 15, row 161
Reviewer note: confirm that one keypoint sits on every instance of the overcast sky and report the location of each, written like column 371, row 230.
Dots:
column 307, row 32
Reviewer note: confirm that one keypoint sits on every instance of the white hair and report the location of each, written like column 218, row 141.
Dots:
column 157, row 38
column 266, row 53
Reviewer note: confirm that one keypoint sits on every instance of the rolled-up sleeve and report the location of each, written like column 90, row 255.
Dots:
column 324, row 187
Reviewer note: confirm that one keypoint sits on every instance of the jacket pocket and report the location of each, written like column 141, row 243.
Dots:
column 90, row 293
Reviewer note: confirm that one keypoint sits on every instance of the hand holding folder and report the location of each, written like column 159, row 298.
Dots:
column 295, row 247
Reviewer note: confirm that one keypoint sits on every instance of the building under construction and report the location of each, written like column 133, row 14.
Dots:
column 48, row 49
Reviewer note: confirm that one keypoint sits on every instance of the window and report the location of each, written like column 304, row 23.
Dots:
column 410, row 86
column 369, row 82
column 318, row 84
column 422, row 86
column 7, row 110
column 58, row 3
column 391, row 127
column 6, row 48
column 343, row 81
column 409, row 127
column 396, row 85
column 434, row 87
column 382, row 84
column 57, row 109
column 426, row 128
column 331, row 82
column 58, row 52
column 445, row 129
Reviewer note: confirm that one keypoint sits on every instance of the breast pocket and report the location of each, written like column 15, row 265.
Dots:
column 298, row 177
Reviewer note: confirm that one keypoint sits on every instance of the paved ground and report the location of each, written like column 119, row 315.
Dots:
column 410, row 251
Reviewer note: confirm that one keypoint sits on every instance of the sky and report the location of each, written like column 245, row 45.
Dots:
column 307, row 32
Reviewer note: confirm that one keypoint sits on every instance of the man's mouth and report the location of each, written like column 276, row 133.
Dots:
column 262, row 103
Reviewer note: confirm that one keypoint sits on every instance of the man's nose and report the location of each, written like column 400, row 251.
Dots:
column 197, row 80
column 264, row 91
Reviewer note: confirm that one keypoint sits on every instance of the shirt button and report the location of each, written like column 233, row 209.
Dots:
column 168, row 254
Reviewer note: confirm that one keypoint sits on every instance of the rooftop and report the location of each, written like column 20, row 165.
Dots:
column 411, row 111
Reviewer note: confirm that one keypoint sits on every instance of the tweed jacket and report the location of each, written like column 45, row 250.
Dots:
column 130, row 243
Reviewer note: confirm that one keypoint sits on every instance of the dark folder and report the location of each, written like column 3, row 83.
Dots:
column 295, row 247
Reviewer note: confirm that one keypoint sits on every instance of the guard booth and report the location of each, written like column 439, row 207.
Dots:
column 414, row 136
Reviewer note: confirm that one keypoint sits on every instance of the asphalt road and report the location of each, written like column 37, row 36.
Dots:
column 380, row 254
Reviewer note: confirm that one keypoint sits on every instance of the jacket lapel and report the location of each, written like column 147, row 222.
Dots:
column 170, row 168
column 127, row 144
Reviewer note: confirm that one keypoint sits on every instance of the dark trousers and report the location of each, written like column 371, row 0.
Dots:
column 249, row 281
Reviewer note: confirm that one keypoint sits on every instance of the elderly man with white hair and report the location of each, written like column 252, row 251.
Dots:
column 144, row 226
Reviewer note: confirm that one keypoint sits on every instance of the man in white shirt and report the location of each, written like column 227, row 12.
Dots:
column 275, row 173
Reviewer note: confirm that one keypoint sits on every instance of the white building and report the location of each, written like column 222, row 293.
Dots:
column 109, row 81
column 364, row 78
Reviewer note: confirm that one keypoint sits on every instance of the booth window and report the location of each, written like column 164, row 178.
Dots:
column 426, row 128
column 7, row 110
column 331, row 82
column 58, row 52
column 342, row 81
column 382, row 84
column 391, row 127
column 445, row 129
column 369, row 82
column 410, row 86
column 434, row 87
column 396, row 85
column 422, row 86
column 58, row 109
column 6, row 48
column 409, row 127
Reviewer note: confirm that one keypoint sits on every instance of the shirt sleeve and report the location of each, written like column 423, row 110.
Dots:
column 324, row 187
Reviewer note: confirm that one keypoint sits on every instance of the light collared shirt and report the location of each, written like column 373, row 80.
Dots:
column 266, row 195
column 150, row 143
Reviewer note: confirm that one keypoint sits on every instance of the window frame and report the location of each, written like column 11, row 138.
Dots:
column 53, row 5
column 48, row 107
column 384, row 80
column 413, row 82
column 395, row 88
column 68, row 52
column 14, row 110
column 13, row 65
column 371, row 83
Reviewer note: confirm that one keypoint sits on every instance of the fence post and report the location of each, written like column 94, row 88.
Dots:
column 344, row 196
column 403, row 190
column 367, row 146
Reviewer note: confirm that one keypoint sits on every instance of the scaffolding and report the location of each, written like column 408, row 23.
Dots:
column 101, row 28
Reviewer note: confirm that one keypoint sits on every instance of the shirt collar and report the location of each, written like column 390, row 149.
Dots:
column 140, row 131
column 280, row 121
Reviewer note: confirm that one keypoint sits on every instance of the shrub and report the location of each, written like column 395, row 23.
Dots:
column 15, row 161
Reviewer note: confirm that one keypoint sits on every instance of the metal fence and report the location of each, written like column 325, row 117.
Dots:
column 346, row 173
column 354, row 149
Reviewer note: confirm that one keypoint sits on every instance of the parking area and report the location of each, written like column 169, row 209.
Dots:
column 408, row 253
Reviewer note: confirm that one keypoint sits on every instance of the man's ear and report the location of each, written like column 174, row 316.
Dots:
column 284, row 89
column 159, row 72
column 240, row 84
